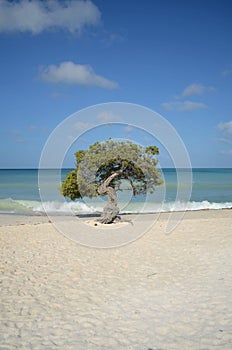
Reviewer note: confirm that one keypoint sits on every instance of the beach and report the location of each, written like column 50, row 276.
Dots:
column 162, row 291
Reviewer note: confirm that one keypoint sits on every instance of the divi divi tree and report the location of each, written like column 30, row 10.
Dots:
column 101, row 169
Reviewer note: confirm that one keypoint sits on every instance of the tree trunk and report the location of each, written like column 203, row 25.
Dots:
column 111, row 210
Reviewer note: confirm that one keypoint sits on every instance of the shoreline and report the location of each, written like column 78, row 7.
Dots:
column 14, row 219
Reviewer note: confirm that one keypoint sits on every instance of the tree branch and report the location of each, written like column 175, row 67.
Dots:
column 103, row 188
column 132, row 185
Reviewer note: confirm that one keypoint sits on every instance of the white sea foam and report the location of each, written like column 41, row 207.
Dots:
column 65, row 208
column 69, row 208
column 180, row 206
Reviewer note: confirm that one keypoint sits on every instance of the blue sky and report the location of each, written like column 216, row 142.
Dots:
column 58, row 57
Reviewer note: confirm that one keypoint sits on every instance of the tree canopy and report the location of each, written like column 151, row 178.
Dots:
column 107, row 164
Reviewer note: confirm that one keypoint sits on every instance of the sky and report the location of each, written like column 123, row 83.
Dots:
column 60, row 57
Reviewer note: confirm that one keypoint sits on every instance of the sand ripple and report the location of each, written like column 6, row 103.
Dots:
column 160, row 292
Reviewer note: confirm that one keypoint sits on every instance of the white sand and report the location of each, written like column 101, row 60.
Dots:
column 159, row 292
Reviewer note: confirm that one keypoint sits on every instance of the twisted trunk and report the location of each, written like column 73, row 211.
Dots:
column 111, row 210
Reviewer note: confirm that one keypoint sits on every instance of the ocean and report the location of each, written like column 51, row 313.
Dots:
column 20, row 193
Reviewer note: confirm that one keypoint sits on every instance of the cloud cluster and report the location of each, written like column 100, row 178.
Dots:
column 196, row 89
column 72, row 73
column 109, row 117
column 186, row 105
column 82, row 126
column 35, row 16
column 223, row 140
column 227, row 72
column 227, row 152
column 227, row 127
column 18, row 136
column 14, row 132
column 183, row 106
column 105, row 117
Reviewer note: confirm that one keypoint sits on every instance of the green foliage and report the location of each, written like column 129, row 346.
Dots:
column 152, row 149
column 79, row 156
column 130, row 161
column 69, row 187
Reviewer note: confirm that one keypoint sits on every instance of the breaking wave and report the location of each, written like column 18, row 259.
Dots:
column 28, row 207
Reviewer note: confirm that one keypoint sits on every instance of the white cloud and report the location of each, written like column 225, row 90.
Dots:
column 35, row 16
column 56, row 95
column 108, row 117
column 223, row 140
column 14, row 132
column 227, row 72
column 195, row 89
column 36, row 128
column 185, row 106
column 227, row 152
column 82, row 126
column 128, row 128
column 72, row 73
column 71, row 138
column 227, row 127
column 18, row 140
column 105, row 117
column 33, row 127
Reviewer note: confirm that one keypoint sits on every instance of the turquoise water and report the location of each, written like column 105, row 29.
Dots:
column 19, row 193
